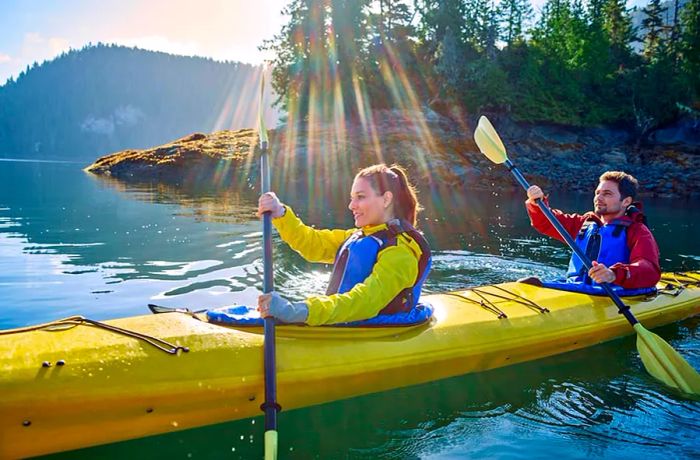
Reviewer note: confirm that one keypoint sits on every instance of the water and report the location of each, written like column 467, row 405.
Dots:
column 73, row 244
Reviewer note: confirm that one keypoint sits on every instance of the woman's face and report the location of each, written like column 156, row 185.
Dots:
column 367, row 206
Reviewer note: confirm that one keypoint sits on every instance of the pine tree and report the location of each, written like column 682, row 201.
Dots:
column 347, row 54
column 300, row 66
column 675, row 26
column 617, row 24
column 653, row 26
column 513, row 16
column 393, row 21
column 690, row 46
column 480, row 26
column 437, row 16
column 391, row 38
column 450, row 63
column 442, row 47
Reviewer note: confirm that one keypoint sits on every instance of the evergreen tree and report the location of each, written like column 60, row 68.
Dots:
column 301, row 51
column 442, row 46
column 347, row 48
column 653, row 25
column 675, row 27
column 618, row 27
column 393, row 21
column 488, row 28
column 450, row 64
column 551, row 90
column 513, row 16
column 392, row 66
column 595, row 11
column 437, row 16
column 690, row 46
column 478, row 18
column 321, row 58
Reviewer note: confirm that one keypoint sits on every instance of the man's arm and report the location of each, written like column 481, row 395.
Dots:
column 571, row 222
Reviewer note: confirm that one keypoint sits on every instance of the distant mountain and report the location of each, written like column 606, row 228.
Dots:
column 103, row 98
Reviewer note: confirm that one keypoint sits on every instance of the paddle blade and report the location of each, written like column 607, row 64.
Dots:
column 488, row 141
column 262, row 130
column 665, row 364
column 271, row 445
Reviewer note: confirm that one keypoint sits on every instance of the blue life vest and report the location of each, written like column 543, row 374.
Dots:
column 356, row 257
column 605, row 244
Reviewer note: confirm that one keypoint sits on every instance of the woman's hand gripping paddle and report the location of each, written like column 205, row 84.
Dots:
column 659, row 358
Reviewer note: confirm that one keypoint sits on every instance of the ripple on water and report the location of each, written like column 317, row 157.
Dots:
column 628, row 411
column 180, row 269
column 454, row 270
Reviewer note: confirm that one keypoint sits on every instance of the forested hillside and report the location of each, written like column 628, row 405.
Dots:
column 102, row 98
column 578, row 63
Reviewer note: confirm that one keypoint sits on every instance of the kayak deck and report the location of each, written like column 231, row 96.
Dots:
column 103, row 386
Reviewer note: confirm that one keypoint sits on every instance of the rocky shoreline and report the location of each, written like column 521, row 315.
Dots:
column 438, row 151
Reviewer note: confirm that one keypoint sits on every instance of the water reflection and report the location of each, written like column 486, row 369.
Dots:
column 205, row 203
column 73, row 243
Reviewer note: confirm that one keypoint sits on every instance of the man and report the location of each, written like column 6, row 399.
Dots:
column 614, row 236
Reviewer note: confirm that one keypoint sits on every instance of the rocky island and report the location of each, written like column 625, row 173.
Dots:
column 438, row 150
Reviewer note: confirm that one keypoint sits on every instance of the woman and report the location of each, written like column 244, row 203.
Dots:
column 379, row 267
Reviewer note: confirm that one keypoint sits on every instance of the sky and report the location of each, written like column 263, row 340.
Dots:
column 37, row 30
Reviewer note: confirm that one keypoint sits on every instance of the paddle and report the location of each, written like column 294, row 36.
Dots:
column 270, row 406
column 659, row 358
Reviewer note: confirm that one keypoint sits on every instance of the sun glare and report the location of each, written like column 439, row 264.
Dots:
column 334, row 125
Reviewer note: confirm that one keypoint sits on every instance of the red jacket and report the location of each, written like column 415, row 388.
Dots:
column 642, row 271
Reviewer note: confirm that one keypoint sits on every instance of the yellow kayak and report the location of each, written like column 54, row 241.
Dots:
column 76, row 383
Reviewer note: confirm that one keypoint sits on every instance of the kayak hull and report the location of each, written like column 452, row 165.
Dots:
column 113, row 387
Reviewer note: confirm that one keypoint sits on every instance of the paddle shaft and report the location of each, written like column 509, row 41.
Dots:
column 624, row 309
column 270, row 405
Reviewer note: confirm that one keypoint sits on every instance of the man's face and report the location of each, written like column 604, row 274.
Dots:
column 607, row 200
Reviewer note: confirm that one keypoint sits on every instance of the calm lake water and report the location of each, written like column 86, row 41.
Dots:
column 74, row 244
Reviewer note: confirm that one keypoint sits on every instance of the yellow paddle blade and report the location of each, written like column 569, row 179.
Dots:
column 262, row 130
column 488, row 141
column 271, row 445
column 664, row 363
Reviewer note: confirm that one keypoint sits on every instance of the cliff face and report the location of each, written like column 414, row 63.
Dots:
column 437, row 151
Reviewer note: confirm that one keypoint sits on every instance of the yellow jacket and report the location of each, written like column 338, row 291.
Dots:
column 396, row 269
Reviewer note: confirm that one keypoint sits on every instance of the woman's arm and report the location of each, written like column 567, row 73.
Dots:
column 313, row 245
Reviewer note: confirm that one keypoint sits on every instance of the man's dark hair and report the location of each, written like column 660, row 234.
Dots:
column 626, row 183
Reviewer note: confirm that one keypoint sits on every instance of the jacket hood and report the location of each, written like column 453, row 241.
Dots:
column 634, row 212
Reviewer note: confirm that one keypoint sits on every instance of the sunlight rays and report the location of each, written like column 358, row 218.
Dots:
column 322, row 129
column 337, row 121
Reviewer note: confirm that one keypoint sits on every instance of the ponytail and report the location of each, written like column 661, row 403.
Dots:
column 395, row 180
